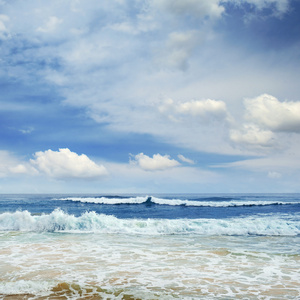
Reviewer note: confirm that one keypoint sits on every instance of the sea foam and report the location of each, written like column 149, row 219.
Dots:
column 59, row 221
column 150, row 200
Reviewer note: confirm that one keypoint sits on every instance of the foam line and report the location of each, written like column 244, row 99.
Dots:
column 176, row 202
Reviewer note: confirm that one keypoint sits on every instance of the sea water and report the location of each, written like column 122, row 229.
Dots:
column 187, row 246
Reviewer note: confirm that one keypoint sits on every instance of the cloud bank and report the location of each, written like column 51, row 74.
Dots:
column 194, row 77
column 117, row 61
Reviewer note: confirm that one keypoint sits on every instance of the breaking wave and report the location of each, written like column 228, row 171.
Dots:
column 221, row 202
column 91, row 222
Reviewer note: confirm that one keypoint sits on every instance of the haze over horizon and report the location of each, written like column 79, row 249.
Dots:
column 149, row 96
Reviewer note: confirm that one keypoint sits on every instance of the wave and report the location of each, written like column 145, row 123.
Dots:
column 149, row 200
column 108, row 200
column 91, row 222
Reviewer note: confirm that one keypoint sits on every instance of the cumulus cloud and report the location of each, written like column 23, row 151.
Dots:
column 66, row 164
column 184, row 159
column 268, row 112
column 265, row 121
column 201, row 108
column 103, row 65
column 252, row 136
column 157, row 162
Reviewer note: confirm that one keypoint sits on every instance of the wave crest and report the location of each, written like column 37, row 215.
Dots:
column 150, row 200
column 58, row 221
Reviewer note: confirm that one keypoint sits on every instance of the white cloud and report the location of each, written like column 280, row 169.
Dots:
column 286, row 162
column 66, row 164
column 86, row 54
column 178, row 49
column 274, row 175
column 27, row 130
column 184, row 159
column 157, row 162
column 142, row 24
column 196, row 8
column 6, row 161
column 3, row 18
column 3, row 29
column 125, row 27
column 268, row 112
column 19, row 169
column 11, row 165
column 265, row 124
column 252, row 136
column 51, row 24
column 204, row 109
column 112, row 75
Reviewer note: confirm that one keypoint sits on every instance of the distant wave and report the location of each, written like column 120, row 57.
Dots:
column 108, row 200
column 59, row 221
column 222, row 202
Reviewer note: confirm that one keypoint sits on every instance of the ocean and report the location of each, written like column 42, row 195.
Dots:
column 166, row 246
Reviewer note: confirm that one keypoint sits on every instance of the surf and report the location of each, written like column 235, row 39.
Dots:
column 60, row 221
column 151, row 200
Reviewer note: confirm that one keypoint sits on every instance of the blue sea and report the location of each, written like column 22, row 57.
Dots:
column 138, row 246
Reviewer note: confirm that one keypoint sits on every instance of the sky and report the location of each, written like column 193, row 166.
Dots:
column 149, row 96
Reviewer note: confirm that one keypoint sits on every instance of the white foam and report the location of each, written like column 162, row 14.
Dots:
column 176, row 202
column 105, row 200
column 24, row 287
column 93, row 222
column 148, row 267
column 223, row 203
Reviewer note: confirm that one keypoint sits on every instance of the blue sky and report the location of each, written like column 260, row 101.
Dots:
column 149, row 96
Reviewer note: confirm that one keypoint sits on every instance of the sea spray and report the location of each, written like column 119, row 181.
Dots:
column 59, row 221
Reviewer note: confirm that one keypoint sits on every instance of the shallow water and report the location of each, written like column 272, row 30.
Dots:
column 240, row 250
column 148, row 267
